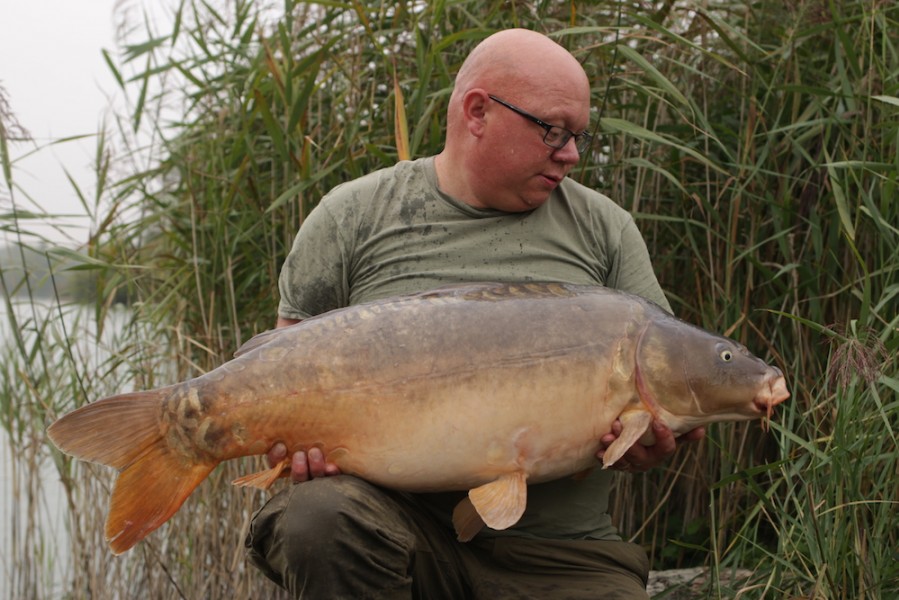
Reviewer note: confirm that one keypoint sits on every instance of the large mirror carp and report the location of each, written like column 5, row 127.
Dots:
column 485, row 388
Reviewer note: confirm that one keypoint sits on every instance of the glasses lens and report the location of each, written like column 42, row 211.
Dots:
column 556, row 137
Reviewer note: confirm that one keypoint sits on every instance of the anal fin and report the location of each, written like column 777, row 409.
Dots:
column 265, row 479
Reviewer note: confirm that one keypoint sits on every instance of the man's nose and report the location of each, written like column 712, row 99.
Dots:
column 568, row 153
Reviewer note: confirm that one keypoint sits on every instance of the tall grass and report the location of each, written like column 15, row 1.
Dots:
column 756, row 144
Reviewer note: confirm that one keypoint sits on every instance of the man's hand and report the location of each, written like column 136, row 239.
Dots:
column 642, row 458
column 303, row 465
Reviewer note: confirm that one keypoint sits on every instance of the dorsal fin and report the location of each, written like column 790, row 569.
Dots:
column 260, row 339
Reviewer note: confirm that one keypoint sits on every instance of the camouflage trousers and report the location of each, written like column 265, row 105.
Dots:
column 340, row 537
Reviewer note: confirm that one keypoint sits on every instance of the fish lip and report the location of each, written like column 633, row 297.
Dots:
column 771, row 394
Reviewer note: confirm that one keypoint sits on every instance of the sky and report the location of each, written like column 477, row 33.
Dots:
column 58, row 85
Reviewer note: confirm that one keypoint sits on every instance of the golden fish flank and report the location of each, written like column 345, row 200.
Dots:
column 499, row 385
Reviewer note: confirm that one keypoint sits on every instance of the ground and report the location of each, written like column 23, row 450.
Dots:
column 685, row 584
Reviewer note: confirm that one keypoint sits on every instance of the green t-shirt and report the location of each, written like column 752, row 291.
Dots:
column 393, row 232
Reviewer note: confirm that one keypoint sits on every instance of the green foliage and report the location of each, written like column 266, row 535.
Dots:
column 755, row 143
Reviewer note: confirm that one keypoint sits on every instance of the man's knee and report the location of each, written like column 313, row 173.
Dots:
column 309, row 516
column 333, row 533
column 316, row 508
column 319, row 524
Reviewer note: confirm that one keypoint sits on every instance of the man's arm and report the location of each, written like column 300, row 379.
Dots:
column 286, row 322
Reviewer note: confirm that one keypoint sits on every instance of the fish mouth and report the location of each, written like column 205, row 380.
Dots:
column 773, row 392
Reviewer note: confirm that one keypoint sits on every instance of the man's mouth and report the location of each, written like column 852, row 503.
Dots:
column 553, row 179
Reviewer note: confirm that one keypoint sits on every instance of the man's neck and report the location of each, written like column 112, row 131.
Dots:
column 451, row 181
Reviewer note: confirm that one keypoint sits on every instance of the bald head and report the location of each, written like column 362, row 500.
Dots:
column 519, row 62
column 509, row 88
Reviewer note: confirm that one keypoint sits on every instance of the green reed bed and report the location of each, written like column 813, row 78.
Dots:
column 756, row 145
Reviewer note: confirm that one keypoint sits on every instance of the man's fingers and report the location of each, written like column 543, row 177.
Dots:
column 694, row 435
column 316, row 462
column 607, row 439
column 299, row 468
column 642, row 458
column 309, row 465
column 665, row 443
column 276, row 454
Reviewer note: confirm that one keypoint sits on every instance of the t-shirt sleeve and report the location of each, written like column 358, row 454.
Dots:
column 314, row 278
column 632, row 269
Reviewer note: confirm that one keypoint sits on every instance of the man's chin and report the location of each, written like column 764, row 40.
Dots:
column 534, row 201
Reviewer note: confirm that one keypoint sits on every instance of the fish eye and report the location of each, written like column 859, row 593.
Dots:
column 726, row 355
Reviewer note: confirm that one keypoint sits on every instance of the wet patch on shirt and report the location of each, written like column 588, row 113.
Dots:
column 316, row 297
column 413, row 211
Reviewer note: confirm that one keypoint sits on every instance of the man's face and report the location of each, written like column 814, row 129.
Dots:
column 517, row 170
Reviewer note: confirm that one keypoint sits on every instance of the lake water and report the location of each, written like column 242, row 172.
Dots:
column 33, row 509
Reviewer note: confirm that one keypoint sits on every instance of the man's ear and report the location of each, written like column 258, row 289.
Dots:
column 474, row 110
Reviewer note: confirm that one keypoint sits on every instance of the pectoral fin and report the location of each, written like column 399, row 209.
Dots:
column 501, row 502
column 634, row 424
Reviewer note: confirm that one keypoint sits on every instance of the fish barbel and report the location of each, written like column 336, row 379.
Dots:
column 485, row 387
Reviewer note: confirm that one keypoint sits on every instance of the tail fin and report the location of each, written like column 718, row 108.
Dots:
column 154, row 480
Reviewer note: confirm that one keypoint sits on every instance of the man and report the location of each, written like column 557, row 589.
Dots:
column 494, row 205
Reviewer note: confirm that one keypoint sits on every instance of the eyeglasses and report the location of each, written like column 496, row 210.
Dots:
column 555, row 137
